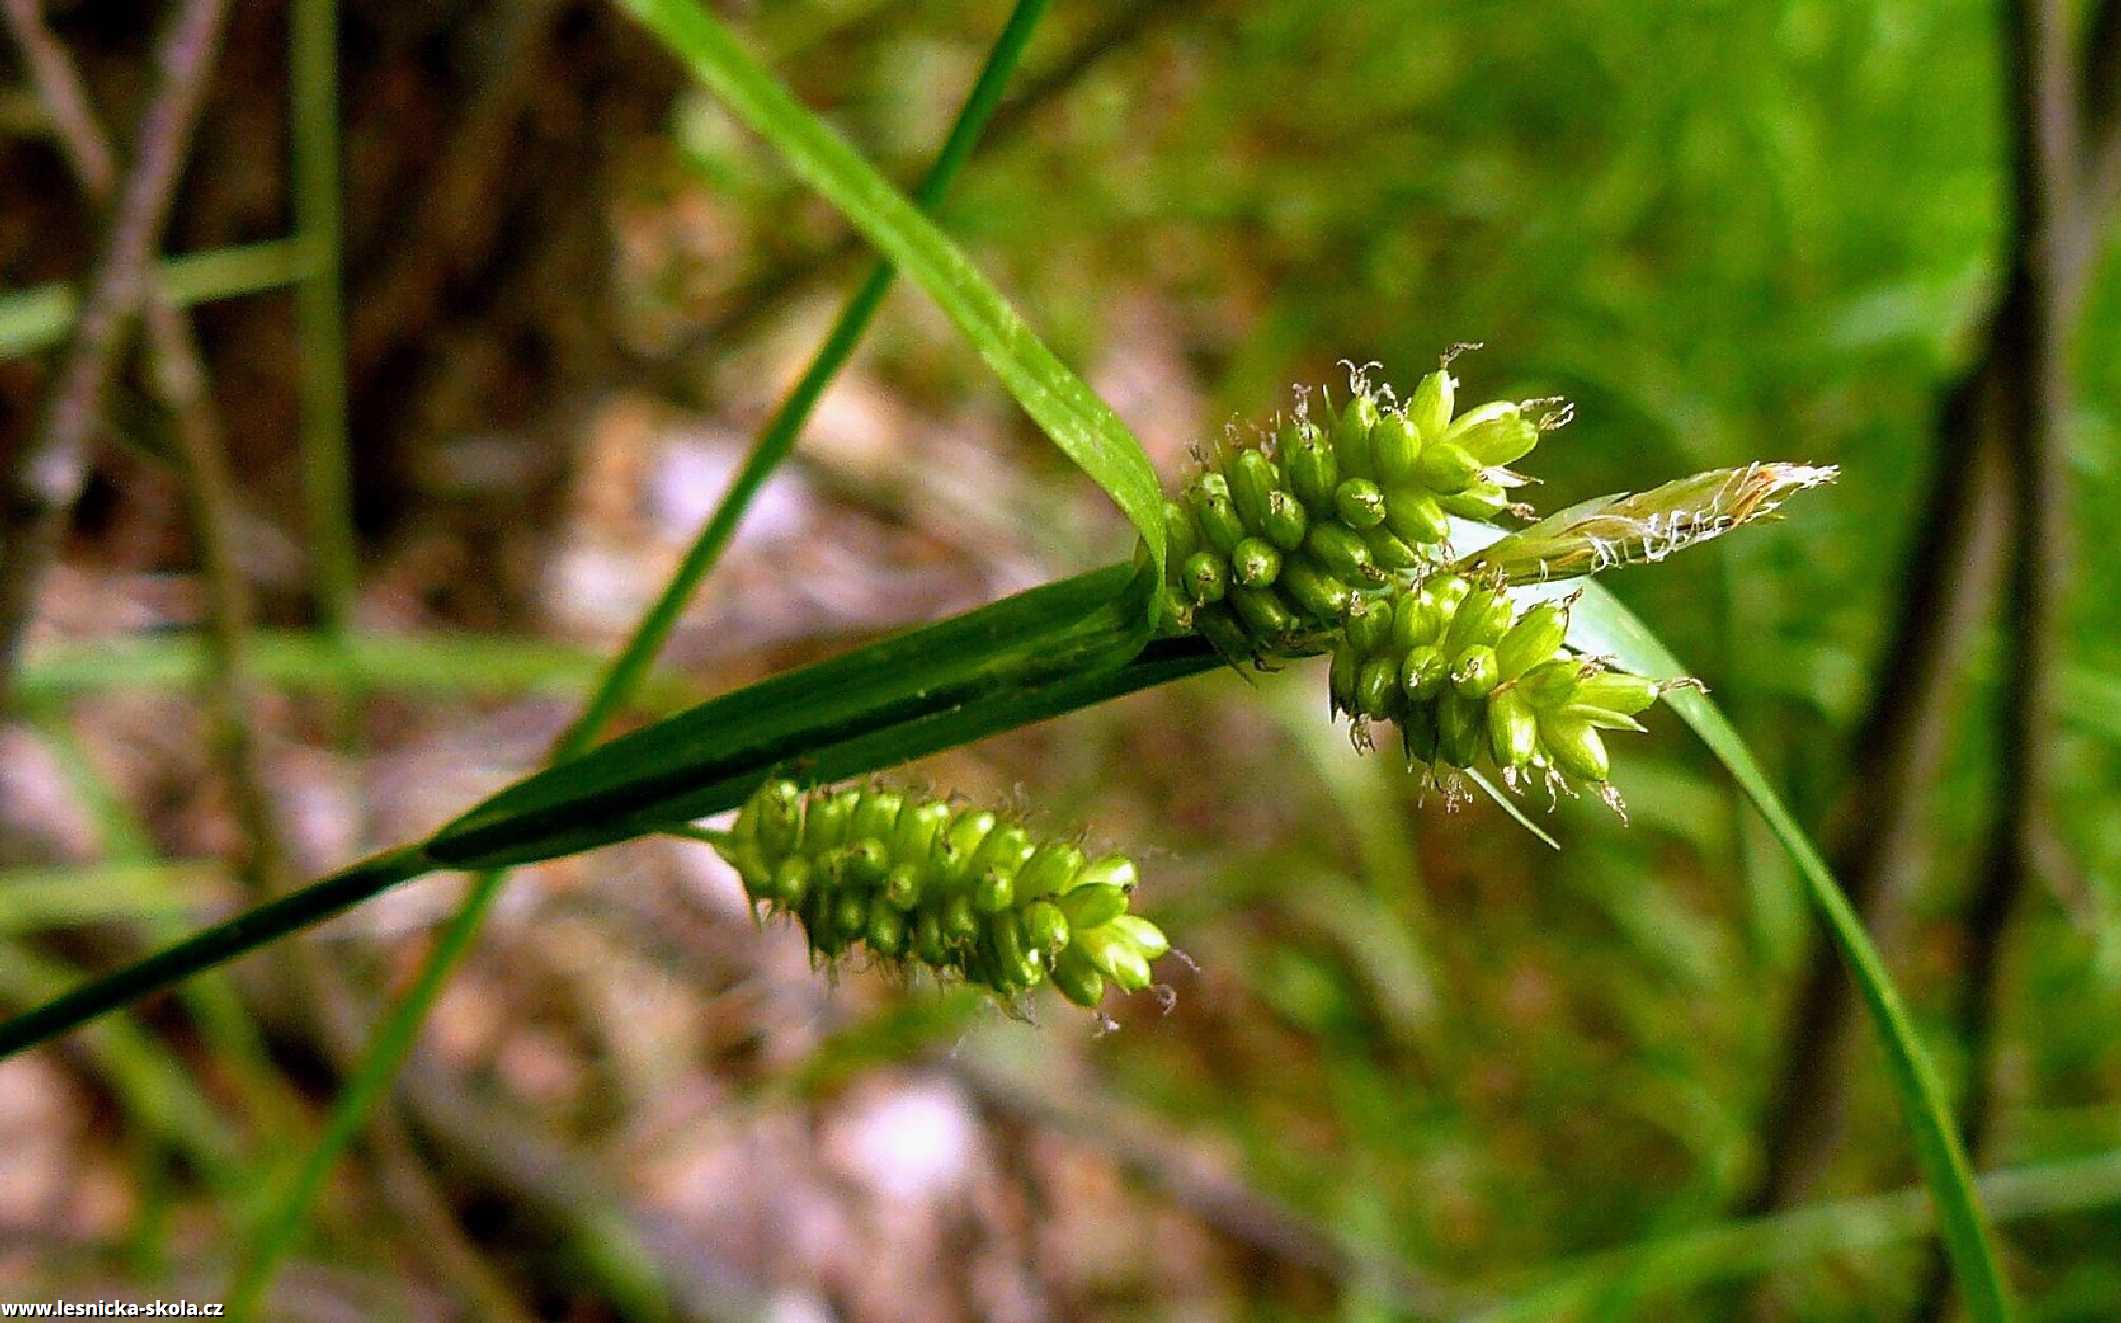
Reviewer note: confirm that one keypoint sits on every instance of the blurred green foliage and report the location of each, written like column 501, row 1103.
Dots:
column 1728, row 231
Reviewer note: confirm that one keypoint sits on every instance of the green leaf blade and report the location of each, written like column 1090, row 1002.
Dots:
column 1601, row 624
column 687, row 765
column 1069, row 412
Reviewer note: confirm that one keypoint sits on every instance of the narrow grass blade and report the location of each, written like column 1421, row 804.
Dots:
column 1512, row 807
column 436, row 665
column 1675, row 1263
column 161, row 1093
column 1600, row 624
column 1080, row 423
column 40, row 317
column 394, row 1038
column 777, row 440
column 313, row 97
column 35, row 900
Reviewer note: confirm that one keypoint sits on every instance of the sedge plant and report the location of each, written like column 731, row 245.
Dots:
column 1484, row 648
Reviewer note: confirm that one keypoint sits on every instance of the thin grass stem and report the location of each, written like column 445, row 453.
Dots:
column 394, row 1038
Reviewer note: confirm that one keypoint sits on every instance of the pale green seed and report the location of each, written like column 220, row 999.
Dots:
column 1377, row 687
column 1395, row 443
column 1341, row 552
column 1360, row 503
column 1205, row 578
column 1423, row 673
column 1255, row 563
column 1446, row 467
column 1533, row 639
column 1473, row 672
column 1253, row 479
column 1351, row 437
column 1389, row 550
column 1317, row 594
column 1414, row 514
column 1496, row 433
column 1575, row 746
column 1286, row 521
column 1551, row 684
column 1513, row 729
column 1264, row 613
column 1617, row 691
column 1434, row 398
column 1314, row 470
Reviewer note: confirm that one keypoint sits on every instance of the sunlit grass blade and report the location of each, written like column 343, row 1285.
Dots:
column 453, row 666
column 38, row 899
column 37, row 318
column 1080, row 423
column 1725, row 1251
column 1600, row 624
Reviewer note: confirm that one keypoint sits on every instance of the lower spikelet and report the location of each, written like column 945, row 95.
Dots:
column 959, row 891
column 1465, row 675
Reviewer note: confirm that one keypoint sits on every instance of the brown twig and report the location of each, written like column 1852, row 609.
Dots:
column 48, row 476
column 59, row 91
column 1953, row 573
column 1226, row 1204
column 2048, row 177
column 178, row 379
column 455, row 217
column 1898, row 752
column 177, row 376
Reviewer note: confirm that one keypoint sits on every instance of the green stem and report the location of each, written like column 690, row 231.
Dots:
column 394, row 1038
column 221, row 943
column 313, row 93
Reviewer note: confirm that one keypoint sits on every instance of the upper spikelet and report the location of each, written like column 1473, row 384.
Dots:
column 1278, row 534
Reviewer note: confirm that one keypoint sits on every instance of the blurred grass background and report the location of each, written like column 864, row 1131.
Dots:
column 1425, row 1063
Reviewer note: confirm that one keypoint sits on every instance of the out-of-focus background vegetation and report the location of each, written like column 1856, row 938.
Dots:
column 1425, row 1064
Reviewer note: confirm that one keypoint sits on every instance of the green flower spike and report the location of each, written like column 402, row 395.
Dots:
column 1469, row 678
column 960, row 892
column 1278, row 536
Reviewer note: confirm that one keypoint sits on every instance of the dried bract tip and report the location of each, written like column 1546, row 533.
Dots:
column 1630, row 528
